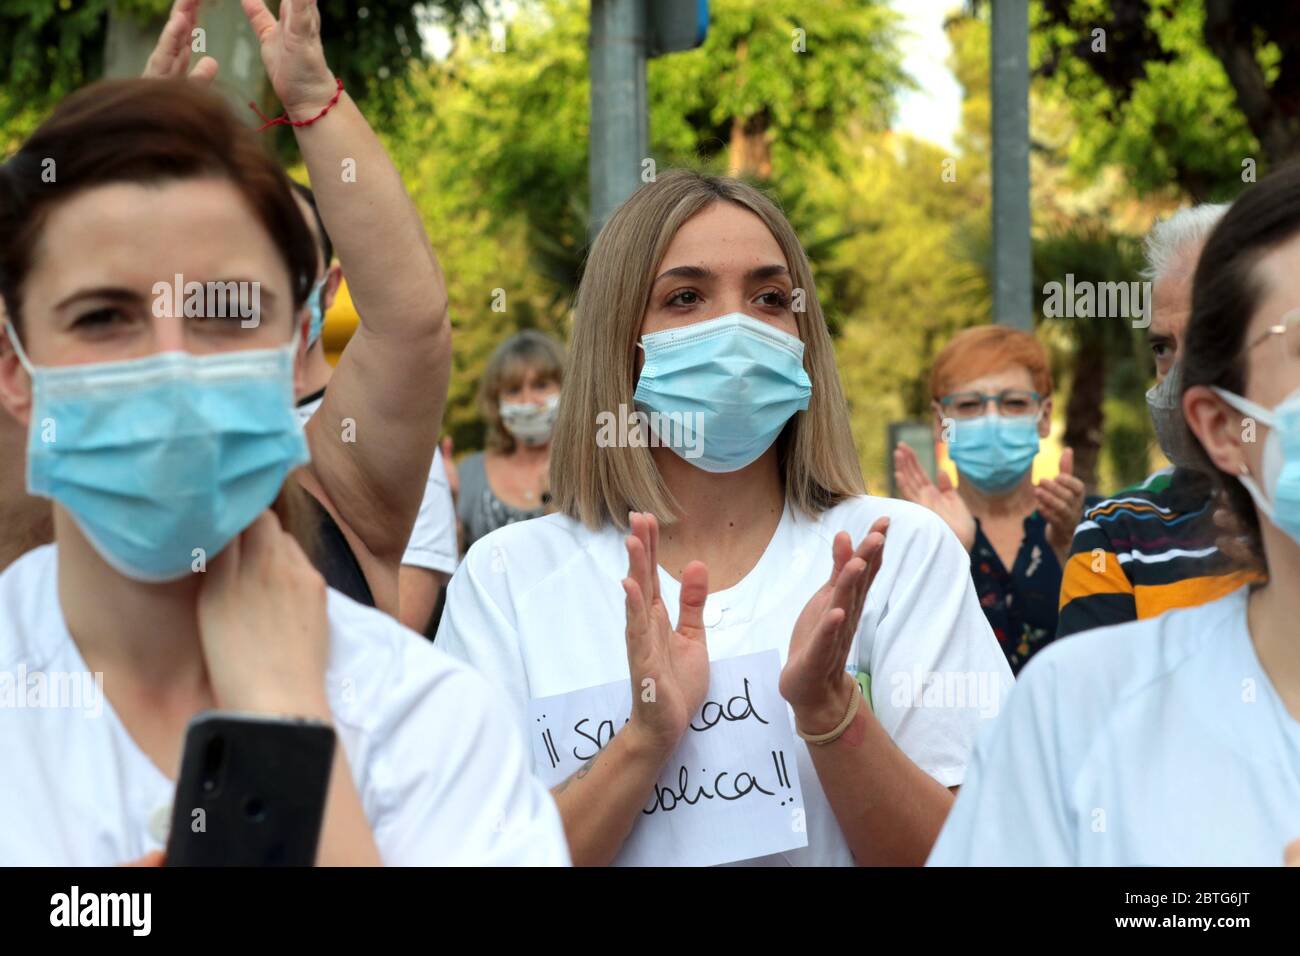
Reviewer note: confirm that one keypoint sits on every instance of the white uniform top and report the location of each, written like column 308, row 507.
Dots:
column 1158, row 742
column 433, row 539
column 438, row 763
column 537, row 607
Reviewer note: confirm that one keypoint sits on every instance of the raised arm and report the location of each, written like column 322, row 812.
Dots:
column 373, row 438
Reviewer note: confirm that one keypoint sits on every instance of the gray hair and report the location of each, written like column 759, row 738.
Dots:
column 1170, row 239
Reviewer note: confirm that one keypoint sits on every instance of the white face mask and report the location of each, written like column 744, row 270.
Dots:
column 530, row 424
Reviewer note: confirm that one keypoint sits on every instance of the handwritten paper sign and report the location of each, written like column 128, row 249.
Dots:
column 731, row 789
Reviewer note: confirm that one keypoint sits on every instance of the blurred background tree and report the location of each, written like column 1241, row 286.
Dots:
column 797, row 96
column 494, row 140
column 50, row 47
column 1178, row 93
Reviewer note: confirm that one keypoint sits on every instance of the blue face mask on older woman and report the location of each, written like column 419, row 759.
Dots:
column 163, row 460
column 994, row 452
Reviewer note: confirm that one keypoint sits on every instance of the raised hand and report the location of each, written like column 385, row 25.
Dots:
column 669, row 668
column 1060, row 501
column 171, row 57
column 293, row 55
column 814, row 680
column 915, row 485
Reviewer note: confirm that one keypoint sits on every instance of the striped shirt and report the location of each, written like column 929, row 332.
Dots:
column 1146, row 551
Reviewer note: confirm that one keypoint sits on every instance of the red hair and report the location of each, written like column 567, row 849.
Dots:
column 984, row 350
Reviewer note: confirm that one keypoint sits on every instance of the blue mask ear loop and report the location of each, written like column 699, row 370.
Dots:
column 12, row 335
column 317, row 296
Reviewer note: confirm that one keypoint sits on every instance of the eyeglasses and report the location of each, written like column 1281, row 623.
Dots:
column 1288, row 331
column 1011, row 403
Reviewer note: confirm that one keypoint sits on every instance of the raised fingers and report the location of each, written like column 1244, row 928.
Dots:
column 204, row 72
column 636, row 610
column 645, row 572
column 636, row 561
column 841, row 551
column 165, row 61
column 907, row 471
column 259, row 16
column 695, row 591
column 844, row 601
column 652, row 525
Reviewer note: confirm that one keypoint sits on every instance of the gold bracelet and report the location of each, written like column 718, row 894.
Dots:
column 832, row 736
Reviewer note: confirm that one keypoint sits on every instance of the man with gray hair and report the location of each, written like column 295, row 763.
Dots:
column 1152, row 548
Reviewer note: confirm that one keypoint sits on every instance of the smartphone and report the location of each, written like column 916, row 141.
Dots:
column 251, row 791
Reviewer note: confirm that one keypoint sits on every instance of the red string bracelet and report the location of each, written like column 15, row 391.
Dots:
column 285, row 121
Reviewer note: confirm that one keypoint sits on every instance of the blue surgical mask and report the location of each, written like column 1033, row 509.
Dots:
column 993, row 452
column 162, row 461
column 317, row 311
column 1277, row 493
column 719, row 392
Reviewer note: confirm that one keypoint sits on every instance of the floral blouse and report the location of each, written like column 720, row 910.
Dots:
column 1020, row 604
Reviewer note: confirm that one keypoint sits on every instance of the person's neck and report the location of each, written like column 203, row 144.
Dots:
column 317, row 370
column 1016, row 504
column 724, row 520
column 530, row 454
column 1272, row 612
column 143, row 634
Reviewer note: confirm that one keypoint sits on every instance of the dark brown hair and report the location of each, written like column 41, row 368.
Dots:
column 141, row 131
column 150, row 131
column 1226, row 292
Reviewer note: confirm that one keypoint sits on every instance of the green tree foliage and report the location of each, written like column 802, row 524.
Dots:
column 1087, row 222
column 494, row 146
column 48, row 48
column 1177, row 93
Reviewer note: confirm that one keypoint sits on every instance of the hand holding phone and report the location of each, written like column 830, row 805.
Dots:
column 251, row 791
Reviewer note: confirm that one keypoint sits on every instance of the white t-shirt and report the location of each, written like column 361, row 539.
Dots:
column 537, row 607
column 438, row 763
column 433, row 539
column 1158, row 742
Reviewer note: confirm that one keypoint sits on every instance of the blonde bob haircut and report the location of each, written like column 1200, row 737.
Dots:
column 600, row 485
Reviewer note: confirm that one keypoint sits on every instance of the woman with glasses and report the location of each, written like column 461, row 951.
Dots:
column 992, row 392
column 1175, row 740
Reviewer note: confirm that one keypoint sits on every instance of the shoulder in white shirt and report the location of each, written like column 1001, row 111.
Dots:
column 1159, row 742
column 441, row 769
column 537, row 607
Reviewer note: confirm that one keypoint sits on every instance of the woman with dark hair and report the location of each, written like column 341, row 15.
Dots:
column 154, row 267
column 518, row 397
column 1175, row 740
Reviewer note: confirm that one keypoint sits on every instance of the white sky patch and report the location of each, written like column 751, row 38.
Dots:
column 932, row 112
column 437, row 38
